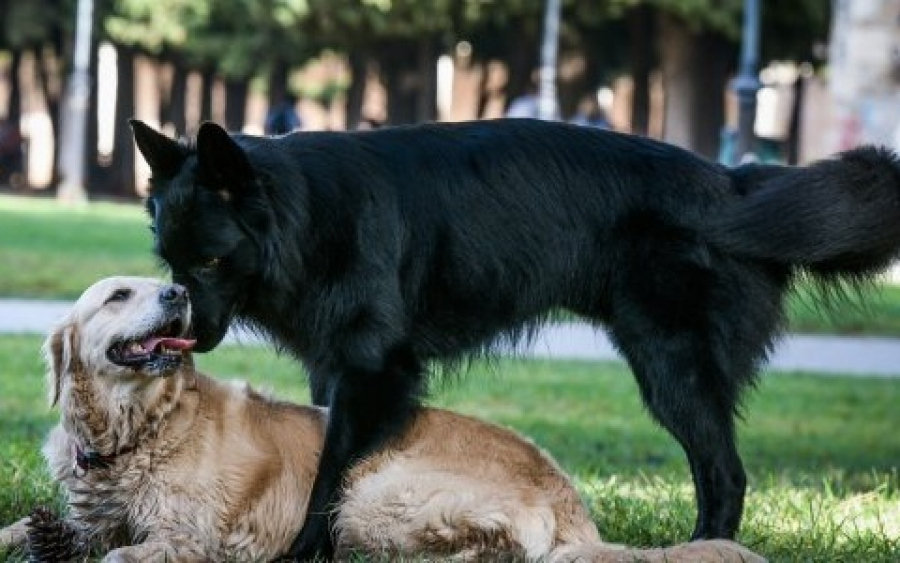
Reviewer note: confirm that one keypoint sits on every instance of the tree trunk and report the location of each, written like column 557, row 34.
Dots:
column 409, row 70
column 793, row 139
column 399, row 66
column 94, row 169
column 426, row 106
column 122, row 171
column 206, row 94
column 235, row 103
column 676, row 52
column 484, row 93
column 278, row 83
column 12, row 157
column 401, row 98
column 357, row 91
column 14, row 104
column 522, row 59
column 59, row 40
column 572, row 89
column 43, row 79
column 641, row 35
column 175, row 104
column 695, row 69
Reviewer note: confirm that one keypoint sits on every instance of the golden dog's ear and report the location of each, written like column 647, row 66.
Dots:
column 58, row 354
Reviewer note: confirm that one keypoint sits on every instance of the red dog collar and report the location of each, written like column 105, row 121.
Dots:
column 85, row 461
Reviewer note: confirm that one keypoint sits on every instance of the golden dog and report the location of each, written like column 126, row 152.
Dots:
column 160, row 462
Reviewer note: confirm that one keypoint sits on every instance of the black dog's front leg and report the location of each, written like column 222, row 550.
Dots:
column 320, row 388
column 368, row 406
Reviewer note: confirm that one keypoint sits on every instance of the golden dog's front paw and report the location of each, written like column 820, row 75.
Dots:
column 14, row 536
column 157, row 552
column 137, row 554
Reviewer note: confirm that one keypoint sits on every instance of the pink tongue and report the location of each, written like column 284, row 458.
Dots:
column 170, row 343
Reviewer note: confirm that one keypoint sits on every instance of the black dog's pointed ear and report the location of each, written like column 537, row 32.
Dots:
column 223, row 160
column 164, row 155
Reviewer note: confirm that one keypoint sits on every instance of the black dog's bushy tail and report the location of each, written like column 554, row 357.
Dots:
column 837, row 218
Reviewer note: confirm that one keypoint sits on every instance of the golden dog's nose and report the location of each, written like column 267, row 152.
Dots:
column 173, row 294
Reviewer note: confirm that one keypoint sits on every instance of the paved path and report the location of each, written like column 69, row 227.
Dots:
column 867, row 356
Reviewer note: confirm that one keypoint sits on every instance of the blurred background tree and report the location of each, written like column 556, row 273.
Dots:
column 362, row 63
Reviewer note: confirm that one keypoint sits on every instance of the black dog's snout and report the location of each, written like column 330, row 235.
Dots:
column 173, row 294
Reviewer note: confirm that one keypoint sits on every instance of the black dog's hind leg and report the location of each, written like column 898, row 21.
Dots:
column 694, row 326
column 684, row 391
column 368, row 406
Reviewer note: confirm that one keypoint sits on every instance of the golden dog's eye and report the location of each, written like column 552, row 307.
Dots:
column 119, row 295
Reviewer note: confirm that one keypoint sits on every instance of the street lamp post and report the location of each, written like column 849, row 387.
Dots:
column 78, row 93
column 547, row 104
column 746, row 85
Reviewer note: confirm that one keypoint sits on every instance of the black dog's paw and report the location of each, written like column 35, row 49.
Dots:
column 314, row 543
column 318, row 551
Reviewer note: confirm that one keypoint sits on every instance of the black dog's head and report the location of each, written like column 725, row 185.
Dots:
column 208, row 218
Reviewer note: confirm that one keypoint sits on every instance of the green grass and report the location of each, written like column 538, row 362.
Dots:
column 875, row 312
column 822, row 453
column 53, row 251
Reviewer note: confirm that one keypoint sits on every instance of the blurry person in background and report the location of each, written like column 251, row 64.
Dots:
column 590, row 114
column 525, row 105
column 368, row 123
column 283, row 117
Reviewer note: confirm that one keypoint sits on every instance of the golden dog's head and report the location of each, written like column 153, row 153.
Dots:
column 123, row 330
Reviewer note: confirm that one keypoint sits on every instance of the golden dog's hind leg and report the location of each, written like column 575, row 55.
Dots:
column 157, row 552
column 709, row 551
column 15, row 535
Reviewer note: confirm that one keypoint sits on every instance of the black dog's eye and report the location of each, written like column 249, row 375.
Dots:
column 119, row 295
column 208, row 267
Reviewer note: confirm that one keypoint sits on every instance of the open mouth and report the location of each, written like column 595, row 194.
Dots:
column 161, row 349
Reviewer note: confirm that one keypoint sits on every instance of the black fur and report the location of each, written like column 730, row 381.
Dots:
column 368, row 255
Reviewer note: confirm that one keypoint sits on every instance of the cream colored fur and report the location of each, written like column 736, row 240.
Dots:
column 205, row 470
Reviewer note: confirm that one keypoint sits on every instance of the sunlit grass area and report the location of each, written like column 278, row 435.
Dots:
column 822, row 453
column 56, row 251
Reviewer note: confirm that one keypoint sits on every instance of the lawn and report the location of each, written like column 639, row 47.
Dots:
column 49, row 250
column 54, row 251
column 821, row 453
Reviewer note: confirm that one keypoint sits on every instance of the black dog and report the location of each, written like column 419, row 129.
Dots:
column 366, row 255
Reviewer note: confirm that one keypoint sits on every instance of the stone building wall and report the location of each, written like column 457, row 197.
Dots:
column 864, row 73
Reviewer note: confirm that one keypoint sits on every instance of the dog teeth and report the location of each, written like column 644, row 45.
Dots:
column 136, row 348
